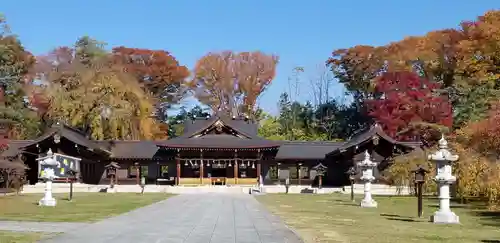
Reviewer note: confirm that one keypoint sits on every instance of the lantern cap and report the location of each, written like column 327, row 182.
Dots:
column 351, row 171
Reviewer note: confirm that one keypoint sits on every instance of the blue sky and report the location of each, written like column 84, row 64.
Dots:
column 302, row 33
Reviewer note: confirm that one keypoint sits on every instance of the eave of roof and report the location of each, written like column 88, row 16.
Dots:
column 132, row 149
column 367, row 135
column 306, row 150
column 219, row 142
column 69, row 133
column 14, row 147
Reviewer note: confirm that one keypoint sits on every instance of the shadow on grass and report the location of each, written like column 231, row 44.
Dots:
column 489, row 218
column 402, row 219
column 465, row 206
column 392, row 215
column 396, row 217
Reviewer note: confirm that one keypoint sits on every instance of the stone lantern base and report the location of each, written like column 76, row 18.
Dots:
column 49, row 202
column 111, row 189
column 445, row 218
column 368, row 203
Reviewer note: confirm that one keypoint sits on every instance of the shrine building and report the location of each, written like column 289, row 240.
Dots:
column 215, row 150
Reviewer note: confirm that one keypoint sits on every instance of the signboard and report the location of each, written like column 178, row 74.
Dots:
column 64, row 164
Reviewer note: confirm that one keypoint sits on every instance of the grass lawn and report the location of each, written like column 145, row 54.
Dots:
column 18, row 237
column 85, row 207
column 334, row 218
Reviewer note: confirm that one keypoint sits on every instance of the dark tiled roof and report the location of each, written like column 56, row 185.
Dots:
column 191, row 127
column 367, row 135
column 218, row 141
column 247, row 128
column 130, row 149
column 69, row 133
column 306, row 150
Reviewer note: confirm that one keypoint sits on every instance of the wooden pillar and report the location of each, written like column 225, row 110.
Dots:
column 235, row 166
column 178, row 166
column 201, row 167
column 115, row 178
column 278, row 172
column 137, row 173
column 299, row 165
column 258, row 166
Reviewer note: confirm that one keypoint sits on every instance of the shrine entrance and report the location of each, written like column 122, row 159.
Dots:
column 218, row 172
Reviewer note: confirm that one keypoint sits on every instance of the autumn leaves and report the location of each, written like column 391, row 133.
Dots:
column 230, row 81
column 136, row 87
column 458, row 67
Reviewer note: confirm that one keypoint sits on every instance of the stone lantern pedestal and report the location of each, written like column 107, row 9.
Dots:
column 366, row 167
column 444, row 178
column 47, row 165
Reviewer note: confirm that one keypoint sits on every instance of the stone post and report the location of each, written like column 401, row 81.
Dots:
column 49, row 164
column 367, row 168
column 443, row 159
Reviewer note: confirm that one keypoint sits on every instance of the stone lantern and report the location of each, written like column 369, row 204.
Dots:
column 444, row 159
column 47, row 165
column 367, row 177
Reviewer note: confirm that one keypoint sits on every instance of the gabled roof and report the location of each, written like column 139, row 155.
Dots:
column 232, row 133
column 247, row 128
column 69, row 133
column 367, row 135
column 310, row 150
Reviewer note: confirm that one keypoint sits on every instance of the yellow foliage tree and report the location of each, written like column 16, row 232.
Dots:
column 470, row 171
column 400, row 172
column 105, row 101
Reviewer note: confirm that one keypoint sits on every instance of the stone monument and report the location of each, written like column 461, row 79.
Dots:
column 49, row 164
column 444, row 178
column 366, row 167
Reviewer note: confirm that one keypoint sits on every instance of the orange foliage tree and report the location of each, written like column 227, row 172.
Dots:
column 484, row 135
column 157, row 70
column 228, row 80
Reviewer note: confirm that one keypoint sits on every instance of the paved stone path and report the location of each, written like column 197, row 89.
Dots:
column 198, row 218
column 49, row 227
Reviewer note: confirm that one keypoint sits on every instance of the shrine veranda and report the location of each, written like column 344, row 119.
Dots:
column 217, row 150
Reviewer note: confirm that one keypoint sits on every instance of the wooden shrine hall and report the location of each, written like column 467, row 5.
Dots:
column 215, row 150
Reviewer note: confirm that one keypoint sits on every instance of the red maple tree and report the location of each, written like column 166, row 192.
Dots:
column 407, row 107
